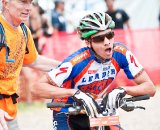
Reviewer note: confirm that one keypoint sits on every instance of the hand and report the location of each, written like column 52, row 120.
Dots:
column 113, row 99
column 89, row 104
column 3, row 117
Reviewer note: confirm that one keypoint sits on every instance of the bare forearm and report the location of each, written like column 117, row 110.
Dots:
column 142, row 89
column 45, row 90
column 44, row 64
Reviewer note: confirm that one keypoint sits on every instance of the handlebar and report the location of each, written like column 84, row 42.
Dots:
column 132, row 99
column 58, row 104
column 105, row 116
column 127, row 104
column 138, row 98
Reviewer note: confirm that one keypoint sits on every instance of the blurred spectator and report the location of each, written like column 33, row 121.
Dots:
column 159, row 18
column 46, row 25
column 57, row 18
column 35, row 25
column 119, row 16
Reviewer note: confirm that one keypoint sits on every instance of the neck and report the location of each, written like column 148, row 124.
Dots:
column 59, row 11
column 111, row 9
column 6, row 16
column 102, row 60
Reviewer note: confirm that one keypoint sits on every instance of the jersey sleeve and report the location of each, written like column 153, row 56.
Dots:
column 32, row 55
column 127, row 61
column 131, row 67
column 60, row 74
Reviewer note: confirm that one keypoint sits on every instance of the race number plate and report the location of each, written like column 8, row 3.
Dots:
column 104, row 121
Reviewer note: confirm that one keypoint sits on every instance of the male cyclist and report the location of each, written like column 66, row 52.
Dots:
column 86, row 75
column 16, row 50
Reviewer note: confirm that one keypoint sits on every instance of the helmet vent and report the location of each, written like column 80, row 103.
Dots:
column 93, row 23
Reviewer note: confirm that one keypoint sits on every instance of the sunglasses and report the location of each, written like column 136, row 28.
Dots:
column 108, row 35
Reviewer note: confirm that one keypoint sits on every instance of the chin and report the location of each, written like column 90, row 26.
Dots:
column 108, row 57
column 24, row 19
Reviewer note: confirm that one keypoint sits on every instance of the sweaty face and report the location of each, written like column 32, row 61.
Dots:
column 19, row 10
column 102, row 44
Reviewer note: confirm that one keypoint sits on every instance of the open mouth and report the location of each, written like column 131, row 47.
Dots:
column 108, row 50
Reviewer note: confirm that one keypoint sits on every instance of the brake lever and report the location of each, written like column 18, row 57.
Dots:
column 140, row 107
column 129, row 106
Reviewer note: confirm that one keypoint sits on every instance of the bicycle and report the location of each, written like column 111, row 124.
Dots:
column 106, row 118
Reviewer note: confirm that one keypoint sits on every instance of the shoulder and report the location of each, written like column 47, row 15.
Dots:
column 65, row 70
column 78, row 56
column 120, row 11
column 120, row 47
column 124, row 13
column 54, row 13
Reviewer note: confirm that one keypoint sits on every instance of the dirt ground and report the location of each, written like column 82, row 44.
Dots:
column 40, row 118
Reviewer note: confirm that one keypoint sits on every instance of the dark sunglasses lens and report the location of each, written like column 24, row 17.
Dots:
column 98, row 39
column 108, row 35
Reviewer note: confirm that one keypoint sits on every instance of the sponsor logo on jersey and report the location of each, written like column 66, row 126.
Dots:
column 92, row 71
column 62, row 70
column 106, row 68
column 120, row 49
column 80, row 57
column 97, row 76
column 96, row 87
column 133, row 60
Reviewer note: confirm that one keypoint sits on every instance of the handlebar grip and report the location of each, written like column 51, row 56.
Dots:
column 138, row 98
column 58, row 104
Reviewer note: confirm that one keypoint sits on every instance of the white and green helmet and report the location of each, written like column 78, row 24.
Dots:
column 93, row 23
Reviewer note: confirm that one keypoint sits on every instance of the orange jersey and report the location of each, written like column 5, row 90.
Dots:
column 9, row 72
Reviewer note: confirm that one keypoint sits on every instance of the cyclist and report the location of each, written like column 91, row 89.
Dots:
column 12, row 57
column 86, row 74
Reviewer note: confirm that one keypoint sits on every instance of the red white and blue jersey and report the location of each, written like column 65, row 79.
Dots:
column 82, row 70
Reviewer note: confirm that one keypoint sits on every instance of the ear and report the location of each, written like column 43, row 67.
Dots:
column 5, row 3
column 88, row 43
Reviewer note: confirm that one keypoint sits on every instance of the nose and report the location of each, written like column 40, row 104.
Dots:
column 106, row 41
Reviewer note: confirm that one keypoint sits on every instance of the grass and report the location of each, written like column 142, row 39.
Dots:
column 23, row 106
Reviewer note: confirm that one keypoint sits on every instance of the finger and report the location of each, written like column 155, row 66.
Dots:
column 95, row 108
column 110, row 101
column 3, row 124
column 114, row 99
column 87, row 111
column 91, row 110
column 7, row 116
column 86, row 107
column 118, row 103
column 1, row 127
